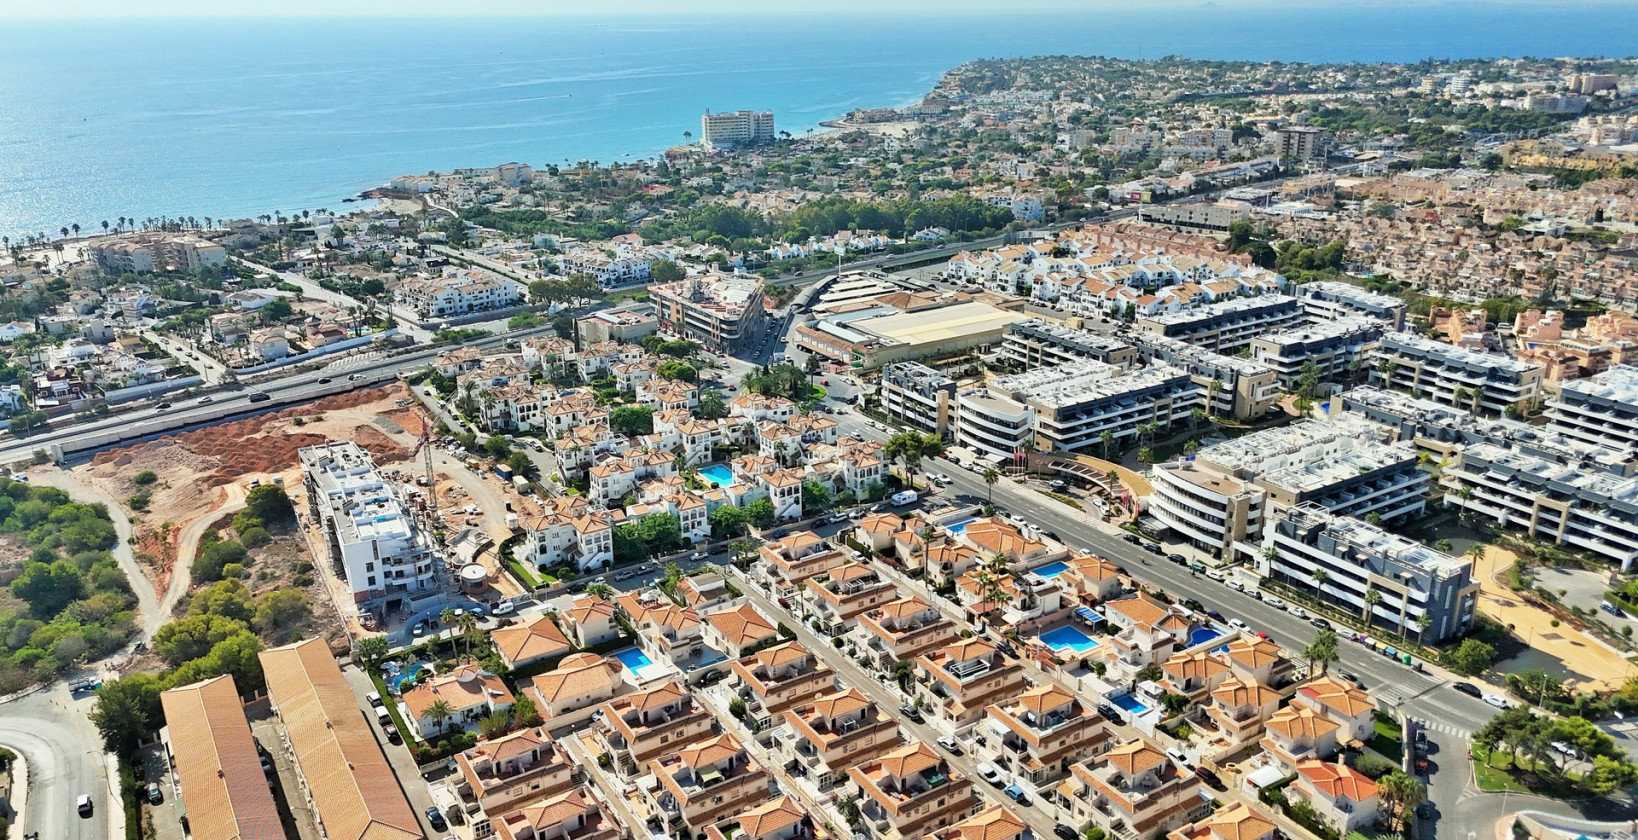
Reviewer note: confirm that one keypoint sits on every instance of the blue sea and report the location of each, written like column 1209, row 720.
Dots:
column 231, row 118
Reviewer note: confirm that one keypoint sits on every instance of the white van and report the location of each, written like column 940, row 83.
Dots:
column 905, row 497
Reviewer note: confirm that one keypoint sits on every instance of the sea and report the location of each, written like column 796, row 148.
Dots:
column 235, row 118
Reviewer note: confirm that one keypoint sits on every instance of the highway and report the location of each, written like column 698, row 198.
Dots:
column 65, row 759
column 150, row 421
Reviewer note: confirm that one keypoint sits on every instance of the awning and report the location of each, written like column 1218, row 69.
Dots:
column 1087, row 615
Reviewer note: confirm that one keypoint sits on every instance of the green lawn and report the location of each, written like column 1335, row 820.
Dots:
column 1389, row 739
column 1499, row 773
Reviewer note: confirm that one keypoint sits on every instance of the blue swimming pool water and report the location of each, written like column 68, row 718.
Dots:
column 634, row 659
column 1069, row 636
column 394, row 680
column 1202, row 635
column 960, row 525
column 1130, row 704
column 1053, row 569
column 719, row 474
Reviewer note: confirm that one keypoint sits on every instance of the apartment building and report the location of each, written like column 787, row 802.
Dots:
column 622, row 325
column 645, row 724
column 957, row 682
column 703, row 782
column 1442, row 431
column 1234, row 386
column 728, row 130
column 567, row 532
column 1043, row 731
column 833, row 732
column 458, row 291
column 1601, row 410
column 1133, row 790
column 1347, row 465
column 1226, row 326
column 209, row 747
column 836, row 598
column 1069, row 408
column 1199, row 215
column 1478, row 381
column 672, row 633
column 1300, row 141
column 1576, row 504
column 499, row 775
column 901, row 630
column 799, row 555
column 345, row 779
column 1038, row 343
column 911, row 791
column 1420, row 592
column 918, row 396
column 1328, row 300
column 367, row 528
column 777, row 678
column 1337, row 349
column 145, row 253
column 721, row 312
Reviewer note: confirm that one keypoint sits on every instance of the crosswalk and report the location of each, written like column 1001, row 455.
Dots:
column 1444, row 729
column 355, row 361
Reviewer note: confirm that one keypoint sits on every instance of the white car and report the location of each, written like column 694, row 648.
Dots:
column 949, row 743
column 1236, row 586
column 1238, row 624
column 1497, row 700
column 1298, row 612
column 1216, row 574
column 1276, row 603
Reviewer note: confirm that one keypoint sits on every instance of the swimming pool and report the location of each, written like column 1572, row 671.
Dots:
column 960, row 525
column 1202, row 635
column 394, row 679
column 1130, row 704
column 1053, row 569
column 718, row 475
column 634, row 659
column 1069, row 637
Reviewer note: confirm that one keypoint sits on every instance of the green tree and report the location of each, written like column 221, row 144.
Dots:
column 1322, row 650
column 439, row 713
column 525, row 713
column 127, row 711
column 48, row 588
column 227, row 598
column 193, row 637
column 665, row 271
column 600, row 590
column 1471, row 657
column 728, row 521
column 632, row 420
column 279, row 612
column 371, row 651
column 761, row 513
column 991, row 476
column 494, row 723
column 816, row 498
column 1400, row 793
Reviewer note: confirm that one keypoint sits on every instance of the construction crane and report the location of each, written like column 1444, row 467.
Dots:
column 423, row 448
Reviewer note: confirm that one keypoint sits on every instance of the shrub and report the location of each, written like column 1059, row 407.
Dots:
column 255, row 537
column 138, row 501
column 234, row 571
column 145, row 477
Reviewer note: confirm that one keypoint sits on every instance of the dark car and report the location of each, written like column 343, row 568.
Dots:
column 1065, row 832
column 1320, row 623
column 1425, row 810
column 1467, row 688
column 1134, row 539
column 155, row 796
column 326, row 380
column 1109, row 712
column 1421, row 736
column 1351, row 677
column 436, row 819
column 911, row 713
column 1153, row 548
column 1215, row 615
column 392, row 734
column 1209, row 778
column 1178, row 559
column 1007, row 649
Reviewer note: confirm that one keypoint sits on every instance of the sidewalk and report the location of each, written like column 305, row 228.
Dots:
column 1594, row 665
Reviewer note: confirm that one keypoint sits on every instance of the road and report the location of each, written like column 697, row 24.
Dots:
column 312, row 290
column 150, row 421
column 65, row 759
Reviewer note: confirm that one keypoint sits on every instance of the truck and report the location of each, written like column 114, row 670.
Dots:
column 904, row 497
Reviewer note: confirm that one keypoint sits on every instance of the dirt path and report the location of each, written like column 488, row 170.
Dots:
column 153, row 616
column 1600, row 666
column 187, row 546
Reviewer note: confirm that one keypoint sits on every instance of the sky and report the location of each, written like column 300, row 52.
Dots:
column 110, row 9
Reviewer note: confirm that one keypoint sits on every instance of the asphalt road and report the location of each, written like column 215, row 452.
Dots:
column 65, row 759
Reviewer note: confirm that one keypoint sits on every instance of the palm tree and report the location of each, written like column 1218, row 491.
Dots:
column 1320, row 577
column 1423, row 622
column 440, row 712
column 1372, row 598
column 104, row 225
column 1322, row 650
column 601, row 591
column 1108, row 439
column 469, row 628
column 446, row 619
column 997, row 564
column 991, row 476
column 1212, row 389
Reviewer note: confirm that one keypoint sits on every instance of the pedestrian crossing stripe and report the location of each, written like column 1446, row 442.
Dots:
column 1444, row 728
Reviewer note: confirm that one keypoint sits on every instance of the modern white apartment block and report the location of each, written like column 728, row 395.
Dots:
column 919, row 396
column 733, row 129
column 1336, row 348
column 1328, row 300
column 720, row 311
column 1226, row 326
column 1038, row 343
column 1470, row 379
column 1234, row 386
column 1602, row 410
column 1411, row 580
column 458, row 291
column 1072, row 406
column 368, row 529
column 1441, row 430
column 1574, row 504
column 1227, row 492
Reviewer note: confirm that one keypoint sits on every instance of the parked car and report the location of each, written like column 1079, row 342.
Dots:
column 1236, row 586
column 950, row 744
column 911, row 713
column 505, row 608
column 418, row 629
column 1298, row 612
column 1016, row 794
column 436, row 819
column 267, row 765
column 1496, row 700
column 1110, row 712
column 1216, row 574
column 155, row 796
column 374, row 699
column 1214, row 615
column 1065, row 832
column 392, row 734
column 1210, row 778
column 1467, row 688
column 1276, row 603
column 1238, row 624
column 990, row 773
column 1153, row 548
column 1134, row 539
column 1320, row 623
column 1178, row 559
